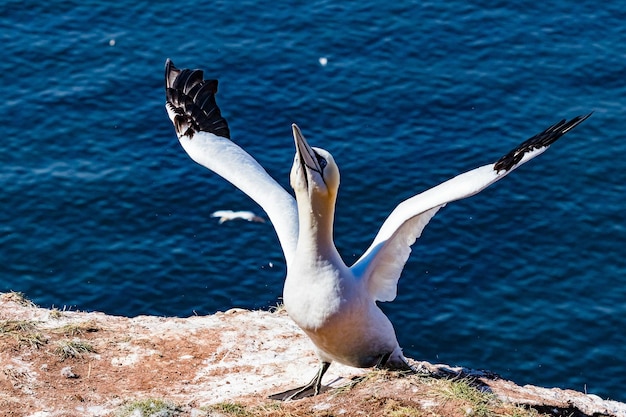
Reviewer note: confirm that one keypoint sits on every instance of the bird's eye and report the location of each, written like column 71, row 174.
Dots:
column 321, row 161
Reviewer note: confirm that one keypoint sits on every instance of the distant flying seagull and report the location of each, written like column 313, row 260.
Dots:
column 334, row 304
column 227, row 215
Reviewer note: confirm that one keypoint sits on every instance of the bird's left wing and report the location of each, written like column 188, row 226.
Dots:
column 382, row 263
column 204, row 134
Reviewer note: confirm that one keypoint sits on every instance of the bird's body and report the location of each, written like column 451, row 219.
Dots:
column 321, row 294
column 334, row 304
column 326, row 301
column 228, row 215
column 349, row 328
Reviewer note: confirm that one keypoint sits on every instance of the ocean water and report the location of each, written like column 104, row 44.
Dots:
column 101, row 209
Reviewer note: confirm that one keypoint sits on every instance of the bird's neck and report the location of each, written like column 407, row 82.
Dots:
column 316, row 219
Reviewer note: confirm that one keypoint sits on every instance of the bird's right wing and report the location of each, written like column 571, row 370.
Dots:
column 204, row 134
column 382, row 263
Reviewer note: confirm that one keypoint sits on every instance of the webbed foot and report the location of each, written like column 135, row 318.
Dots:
column 311, row 389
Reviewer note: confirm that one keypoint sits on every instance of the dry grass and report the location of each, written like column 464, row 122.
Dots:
column 78, row 329
column 384, row 394
column 67, row 349
column 278, row 308
column 55, row 313
column 24, row 331
column 18, row 326
column 17, row 297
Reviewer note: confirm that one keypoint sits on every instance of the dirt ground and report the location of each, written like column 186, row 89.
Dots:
column 62, row 363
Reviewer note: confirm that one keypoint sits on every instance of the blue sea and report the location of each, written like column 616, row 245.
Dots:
column 102, row 210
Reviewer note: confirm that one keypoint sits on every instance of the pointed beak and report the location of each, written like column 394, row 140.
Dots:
column 306, row 154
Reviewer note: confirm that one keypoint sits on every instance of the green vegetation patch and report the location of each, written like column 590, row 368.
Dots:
column 230, row 409
column 149, row 407
column 476, row 400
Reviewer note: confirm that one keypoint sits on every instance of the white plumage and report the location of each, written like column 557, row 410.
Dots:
column 228, row 215
column 334, row 304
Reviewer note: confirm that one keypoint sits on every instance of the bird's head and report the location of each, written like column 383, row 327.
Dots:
column 314, row 173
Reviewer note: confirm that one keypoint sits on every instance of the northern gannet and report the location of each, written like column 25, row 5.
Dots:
column 228, row 215
column 335, row 305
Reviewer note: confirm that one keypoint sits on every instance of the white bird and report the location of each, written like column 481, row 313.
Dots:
column 228, row 215
column 335, row 305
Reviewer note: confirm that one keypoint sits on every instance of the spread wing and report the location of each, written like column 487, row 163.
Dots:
column 204, row 134
column 382, row 263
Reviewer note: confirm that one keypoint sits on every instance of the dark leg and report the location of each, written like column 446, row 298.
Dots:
column 309, row 390
column 382, row 361
column 402, row 366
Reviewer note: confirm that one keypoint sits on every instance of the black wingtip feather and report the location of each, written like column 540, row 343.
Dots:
column 540, row 140
column 192, row 98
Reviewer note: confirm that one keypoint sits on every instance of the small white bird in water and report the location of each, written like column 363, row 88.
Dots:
column 333, row 303
column 228, row 215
